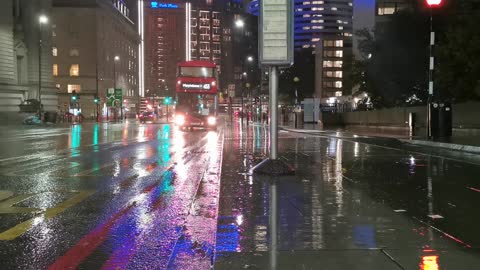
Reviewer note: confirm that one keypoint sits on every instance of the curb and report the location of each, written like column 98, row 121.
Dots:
column 450, row 146
column 302, row 130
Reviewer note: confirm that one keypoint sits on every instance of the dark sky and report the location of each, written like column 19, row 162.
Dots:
column 363, row 14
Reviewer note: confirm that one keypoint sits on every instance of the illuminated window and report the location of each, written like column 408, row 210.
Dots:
column 333, row 74
column 55, row 70
column 338, row 84
column 338, row 93
column 74, row 70
column 74, row 87
column 54, row 51
column 386, row 11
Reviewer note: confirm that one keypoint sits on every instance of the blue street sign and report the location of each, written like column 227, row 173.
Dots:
column 163, row 5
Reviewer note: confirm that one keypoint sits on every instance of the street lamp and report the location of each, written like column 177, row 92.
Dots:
column 432, row 4
column 116, row 59
column 250, row 58
column 239, row 23
column 42, row 19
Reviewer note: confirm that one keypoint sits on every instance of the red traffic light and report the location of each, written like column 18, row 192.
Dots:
column 434, row 3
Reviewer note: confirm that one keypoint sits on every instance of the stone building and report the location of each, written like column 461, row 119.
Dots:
column 20, row 35
column 94, row 47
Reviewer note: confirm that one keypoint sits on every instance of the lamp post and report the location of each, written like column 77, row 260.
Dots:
column 42, row 19
column 431, row 4
column 116, row 59
column 296, row 80
column 249, row 59
column 244, row 79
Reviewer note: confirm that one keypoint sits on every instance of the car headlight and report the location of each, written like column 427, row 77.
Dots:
column 211, row 120
column 180, row 120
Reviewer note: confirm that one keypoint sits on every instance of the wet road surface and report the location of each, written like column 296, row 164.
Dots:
column 130, row 196
column 354, row 203
column 109, row 196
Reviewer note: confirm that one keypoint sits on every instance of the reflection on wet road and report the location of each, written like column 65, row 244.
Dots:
column 109, row 196
column 130, row 196
column 353, row 204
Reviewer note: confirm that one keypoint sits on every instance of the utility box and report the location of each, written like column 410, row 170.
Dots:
column 441, row 119
column 311, row 110
column 445, row 119
column 434, row 117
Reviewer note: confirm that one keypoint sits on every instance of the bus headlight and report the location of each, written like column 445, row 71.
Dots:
column 211, row 120
column 179, row 120
column 214, row 83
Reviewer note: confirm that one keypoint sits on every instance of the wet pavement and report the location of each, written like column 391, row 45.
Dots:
column 112, row 196
column 355, row 203
column 130, row 196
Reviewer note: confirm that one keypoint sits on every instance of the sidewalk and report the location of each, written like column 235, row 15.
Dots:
column 345, row 208
column 465, row 143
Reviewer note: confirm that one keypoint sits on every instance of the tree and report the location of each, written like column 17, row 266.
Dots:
column 304, row 69
column 458, row 54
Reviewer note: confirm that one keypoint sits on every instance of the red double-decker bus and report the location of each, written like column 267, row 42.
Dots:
column 197, row 90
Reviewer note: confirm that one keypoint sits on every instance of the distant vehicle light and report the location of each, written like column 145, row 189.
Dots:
column 180, row 120
column 214, row 83
column 434, row 3
column 211, row 120
column 179, row 82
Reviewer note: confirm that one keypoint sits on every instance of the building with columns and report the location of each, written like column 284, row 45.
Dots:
column 20, row 35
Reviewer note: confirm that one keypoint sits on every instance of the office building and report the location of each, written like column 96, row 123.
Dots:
column 314, row 19
column 164, row 46
column 94, row 47
column 177, row 30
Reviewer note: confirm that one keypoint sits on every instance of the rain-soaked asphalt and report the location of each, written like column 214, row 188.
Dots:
column 108, row 196
column 354, row 203
column 130, row 196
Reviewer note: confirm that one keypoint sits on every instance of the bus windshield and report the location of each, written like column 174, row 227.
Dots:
column 199, row 105
column 197, row 72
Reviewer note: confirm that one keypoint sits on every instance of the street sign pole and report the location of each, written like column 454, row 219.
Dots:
column 273, row 112
column 276, row 50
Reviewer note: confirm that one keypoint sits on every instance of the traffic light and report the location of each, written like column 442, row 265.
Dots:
column 167, row 101
column 96, row 99
column 434, row 3
column 74, row 97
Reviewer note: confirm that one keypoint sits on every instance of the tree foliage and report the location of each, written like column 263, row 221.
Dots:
column 397, row 72
column 304, row 69
column 395, row 60
column 458, row 53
